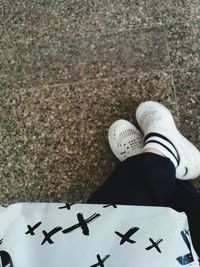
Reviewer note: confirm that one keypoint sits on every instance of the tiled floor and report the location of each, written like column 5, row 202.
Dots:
column 71, row 68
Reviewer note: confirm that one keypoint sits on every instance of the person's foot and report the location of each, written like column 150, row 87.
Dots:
column 160, row 132
column 125, row 139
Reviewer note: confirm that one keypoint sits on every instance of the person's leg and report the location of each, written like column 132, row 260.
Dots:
column 140, row 179
column 145, row 179
column 160, row 132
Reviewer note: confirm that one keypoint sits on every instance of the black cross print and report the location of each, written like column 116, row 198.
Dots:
column 100, row 261
column 68, row 206
column 48, row 235
column 155, row 244
column 187, row 232
column 129, row 233
column 82, row 223
column 114, row 206
column 30, row 229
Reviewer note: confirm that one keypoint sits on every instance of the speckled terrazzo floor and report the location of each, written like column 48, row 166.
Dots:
column 68, row 69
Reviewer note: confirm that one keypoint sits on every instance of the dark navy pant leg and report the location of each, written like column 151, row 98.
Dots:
column 146, row 179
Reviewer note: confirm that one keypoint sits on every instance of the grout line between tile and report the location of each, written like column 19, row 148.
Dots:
column 111, row 78
column 95, row 35
column 79, row 38
column 176, row 100
column 105, row 79
column 172, row 75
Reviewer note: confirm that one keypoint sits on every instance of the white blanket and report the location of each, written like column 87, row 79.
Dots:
column 90, row 235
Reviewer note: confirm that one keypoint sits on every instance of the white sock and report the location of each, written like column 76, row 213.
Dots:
column 164, row 145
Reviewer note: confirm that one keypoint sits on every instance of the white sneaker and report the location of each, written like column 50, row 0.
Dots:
column 125, row 139
column 153, row 117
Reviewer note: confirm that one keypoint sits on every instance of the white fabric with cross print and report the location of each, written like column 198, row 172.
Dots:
column 90, row 235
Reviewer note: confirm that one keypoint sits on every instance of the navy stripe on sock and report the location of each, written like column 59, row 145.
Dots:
column 166, row 139
column 154, row 141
